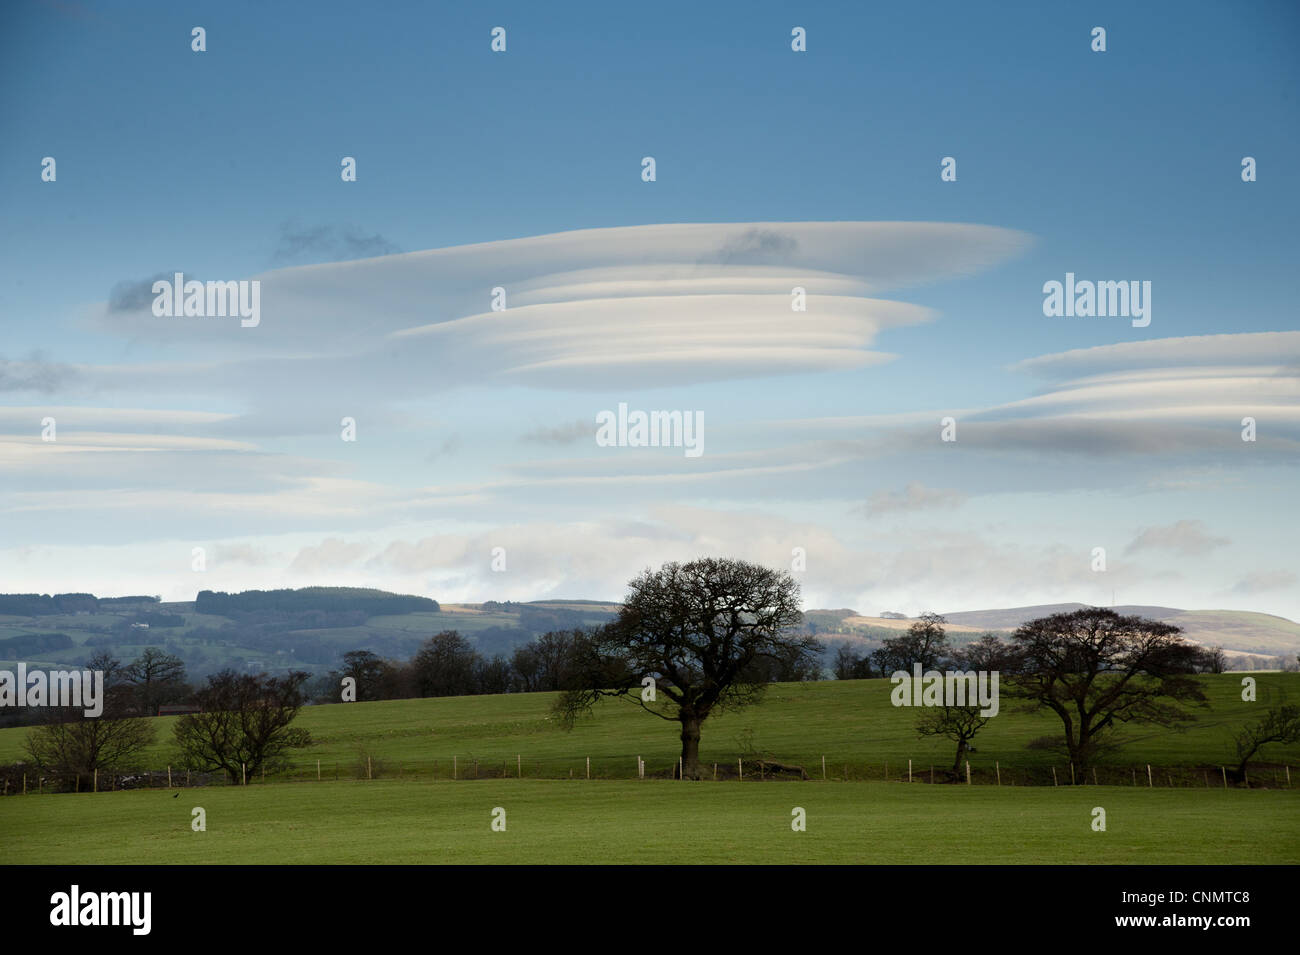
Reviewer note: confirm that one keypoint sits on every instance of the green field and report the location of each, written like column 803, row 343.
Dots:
column 412, row 811
column 851, row 723
column 654, row 821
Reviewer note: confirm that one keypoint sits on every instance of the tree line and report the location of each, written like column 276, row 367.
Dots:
column 926, row 642
column 138, row 688
column 448, row 664
column 329, row 599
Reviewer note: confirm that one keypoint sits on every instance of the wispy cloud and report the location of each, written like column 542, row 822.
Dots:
column 914, row 497
column 327, row 243
column 36, row 374
column 560, row 434
column 1184, row 538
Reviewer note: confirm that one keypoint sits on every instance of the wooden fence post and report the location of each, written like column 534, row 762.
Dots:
column 1225, row 777
column 968, row 772
column 1288, row 775
column 24, row 784
column 715, row 772
column 318, row 770
column 519, row 764
column 454, row 772
column 243, row 774
column 1054, row 776
column 909, row 770
column 1149, row 782
column 169, row 777
column 588, row 767
column 1094, row 776
column 824, row 769
column 997, row 768
column 368, row 775
column 740, row 766
column 1072, row 772
column 96, row 781
column 681, row 768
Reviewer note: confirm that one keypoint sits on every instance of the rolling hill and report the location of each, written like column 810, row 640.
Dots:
column 311, row 628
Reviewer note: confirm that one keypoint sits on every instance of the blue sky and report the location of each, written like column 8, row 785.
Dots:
column 1123, row 165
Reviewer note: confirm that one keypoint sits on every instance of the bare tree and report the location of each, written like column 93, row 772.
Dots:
column 703, row 632
column 156, row 678
column 957, row 723
column 445, row 665
column 73, row 744
column 1096, row 669
column 244, row 725
column 367, row 669
column 850, row 665
column 1215, row 660
column 549, row 662
column 988, row 653
column 925, row 643
column 1280, row 724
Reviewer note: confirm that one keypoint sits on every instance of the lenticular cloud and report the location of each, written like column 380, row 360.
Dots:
column 636, row 305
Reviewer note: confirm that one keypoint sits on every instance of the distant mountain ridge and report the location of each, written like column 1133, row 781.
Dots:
column 1011, row 617
column 311, row 627
column 1241, row 631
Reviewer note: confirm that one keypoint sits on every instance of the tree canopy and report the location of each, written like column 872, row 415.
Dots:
column 1097, row 669
column 693, row 639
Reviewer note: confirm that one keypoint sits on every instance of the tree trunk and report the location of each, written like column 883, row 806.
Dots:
column 1081, row 753
column 691, row 745
column 961, row 748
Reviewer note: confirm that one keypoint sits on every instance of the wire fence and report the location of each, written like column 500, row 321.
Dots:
column 19, row 779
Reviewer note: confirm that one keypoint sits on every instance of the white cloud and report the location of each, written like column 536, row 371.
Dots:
column 686, row 302
column 331, row 554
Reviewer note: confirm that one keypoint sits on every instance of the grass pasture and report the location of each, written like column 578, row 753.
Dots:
column 851, row 723
column 655, row 822
column 413, row 812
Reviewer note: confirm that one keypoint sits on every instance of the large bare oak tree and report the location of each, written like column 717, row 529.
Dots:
column 707, row 633
column 1097, row 669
